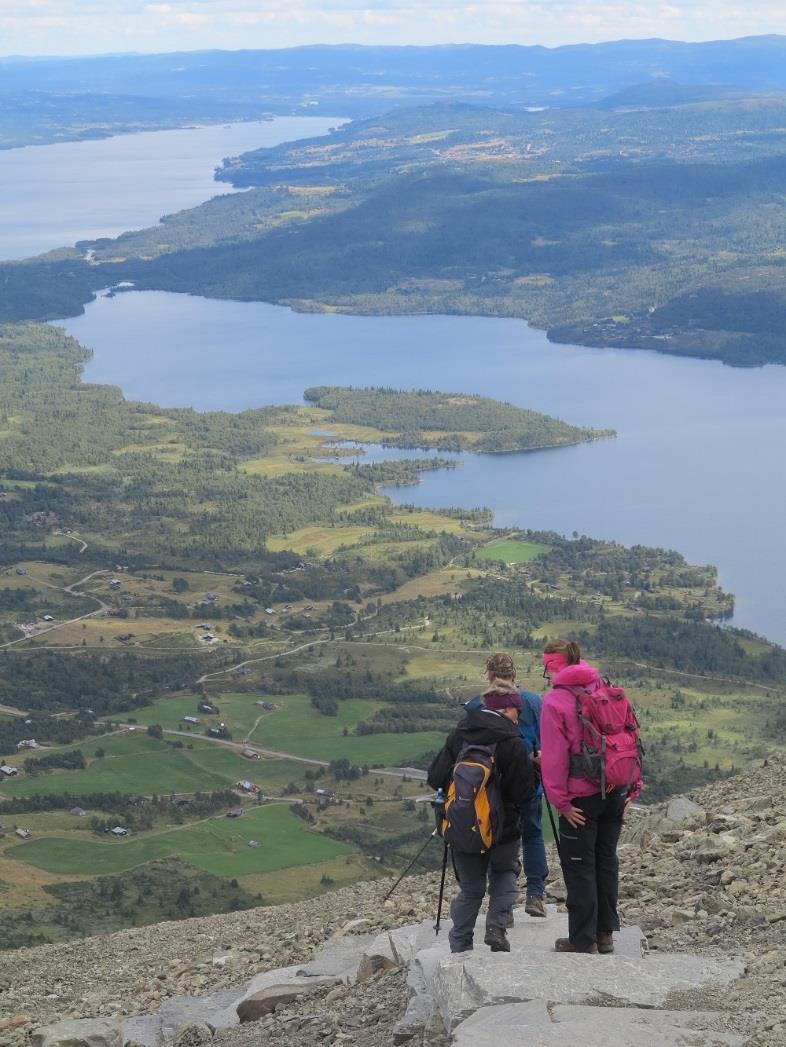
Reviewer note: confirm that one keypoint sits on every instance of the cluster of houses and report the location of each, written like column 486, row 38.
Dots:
column 326, row 795
column 27, row 743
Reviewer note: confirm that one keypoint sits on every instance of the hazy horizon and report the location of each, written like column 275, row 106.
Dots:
column 84, row 28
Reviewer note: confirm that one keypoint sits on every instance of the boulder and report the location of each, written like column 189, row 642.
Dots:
column 193, row 1034
column 266, row 1000
column 89, row 1032
column 373, row 964
column 681, row 810
column 340, row 957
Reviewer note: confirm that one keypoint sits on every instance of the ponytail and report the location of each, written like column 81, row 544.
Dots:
column 569, row 649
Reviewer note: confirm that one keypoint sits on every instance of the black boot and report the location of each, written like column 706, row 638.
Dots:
column 496, row 939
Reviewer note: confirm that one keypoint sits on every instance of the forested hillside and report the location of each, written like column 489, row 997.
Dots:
column 655, row 221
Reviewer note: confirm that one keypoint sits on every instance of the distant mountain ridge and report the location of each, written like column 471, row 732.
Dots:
column 370, row 79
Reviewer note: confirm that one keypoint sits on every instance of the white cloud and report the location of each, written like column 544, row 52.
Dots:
column 84, row 26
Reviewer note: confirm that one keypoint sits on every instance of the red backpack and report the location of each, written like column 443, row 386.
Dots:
column 611, row 749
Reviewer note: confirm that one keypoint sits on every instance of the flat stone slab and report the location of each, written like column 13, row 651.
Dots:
column 533, row 1024
column 466, row 982
column 340, row 957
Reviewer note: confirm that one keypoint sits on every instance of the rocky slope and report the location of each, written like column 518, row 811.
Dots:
column 706, row 876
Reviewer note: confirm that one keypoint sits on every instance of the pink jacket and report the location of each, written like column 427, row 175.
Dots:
column 560, row 735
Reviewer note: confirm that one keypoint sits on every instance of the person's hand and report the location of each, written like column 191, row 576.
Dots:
column 536, row 759
column 575, row 817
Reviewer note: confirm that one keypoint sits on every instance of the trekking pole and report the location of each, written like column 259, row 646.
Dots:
column 441, row 890
column 398, row 881
column 554, row 831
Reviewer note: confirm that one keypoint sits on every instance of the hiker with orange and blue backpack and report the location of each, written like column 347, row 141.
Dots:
column 591, row 767
column 501, row 671
column 486, row 773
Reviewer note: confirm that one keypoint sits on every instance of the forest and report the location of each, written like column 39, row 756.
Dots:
column 499, row 426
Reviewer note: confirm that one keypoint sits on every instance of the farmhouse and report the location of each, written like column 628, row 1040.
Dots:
column 8, row 772
column 24, row 834
column 119, row 831
column 48, row 617
column 268, row 705
column 78, row 812
column 250, row 754
column 245, row 786
column 206, row 707
column 190, row 719
column 27, row 743
column 235, row 812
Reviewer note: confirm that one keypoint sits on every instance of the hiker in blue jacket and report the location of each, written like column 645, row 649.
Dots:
column 501, row 671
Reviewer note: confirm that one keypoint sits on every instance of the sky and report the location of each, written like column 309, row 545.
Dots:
column 46, row 27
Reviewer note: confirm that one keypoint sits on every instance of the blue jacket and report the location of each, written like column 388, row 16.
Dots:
column 529, row 721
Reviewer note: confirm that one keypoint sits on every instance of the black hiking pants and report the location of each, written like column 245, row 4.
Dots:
column 590, row 866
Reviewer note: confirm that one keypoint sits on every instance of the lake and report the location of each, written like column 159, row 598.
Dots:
column 696, row 466
column 53, row 195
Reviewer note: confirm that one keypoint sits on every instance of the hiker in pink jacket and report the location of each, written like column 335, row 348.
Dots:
column 590, row 822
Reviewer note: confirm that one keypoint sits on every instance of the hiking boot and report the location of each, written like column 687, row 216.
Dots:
column 496, row 939
column 535, row 905
column 605, row 941
column 566, row 945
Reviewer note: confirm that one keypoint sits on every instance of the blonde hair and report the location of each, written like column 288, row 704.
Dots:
column 568, row 648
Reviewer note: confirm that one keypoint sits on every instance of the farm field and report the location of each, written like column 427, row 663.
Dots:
column 298, row 728
column 217, row 845
column 138, row 764
column 238, row 711
column 511, row 550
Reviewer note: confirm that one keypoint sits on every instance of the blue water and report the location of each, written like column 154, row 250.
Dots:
column 54, row 195
column 696, row 465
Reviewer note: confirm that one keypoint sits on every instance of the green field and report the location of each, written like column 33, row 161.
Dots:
column 512, row 550
column 218, row 845
column 238, row 711
column 137, row 763
column 298, row 728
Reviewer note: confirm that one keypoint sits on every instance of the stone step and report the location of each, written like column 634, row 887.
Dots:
column 536, row 1025
column 464, row 983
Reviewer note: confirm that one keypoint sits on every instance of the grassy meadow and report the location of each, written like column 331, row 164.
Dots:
column 218, row 845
